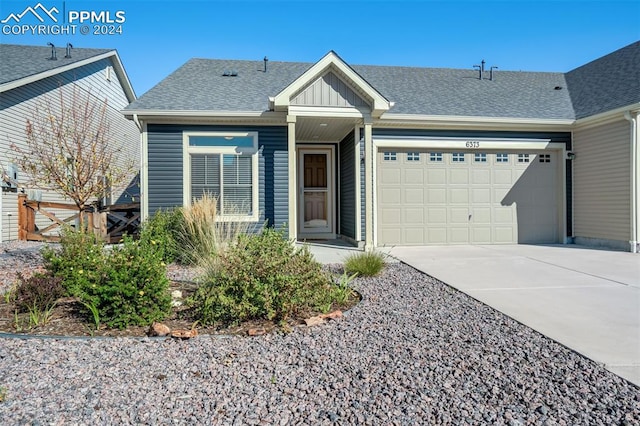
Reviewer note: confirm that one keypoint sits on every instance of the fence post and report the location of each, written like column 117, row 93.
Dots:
column 26, row 218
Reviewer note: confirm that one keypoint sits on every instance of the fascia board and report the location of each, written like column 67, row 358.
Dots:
column 430, row 119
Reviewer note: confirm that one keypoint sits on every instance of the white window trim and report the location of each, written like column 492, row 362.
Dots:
column 187, row 150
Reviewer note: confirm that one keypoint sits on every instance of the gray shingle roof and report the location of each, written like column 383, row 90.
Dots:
column 607, row 83
column 199, row 85
column 18, row 61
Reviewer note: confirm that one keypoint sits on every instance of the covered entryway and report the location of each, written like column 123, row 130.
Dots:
column 440, row 196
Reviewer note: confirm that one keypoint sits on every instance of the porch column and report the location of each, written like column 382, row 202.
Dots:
column 293, row 190
column 368, row 184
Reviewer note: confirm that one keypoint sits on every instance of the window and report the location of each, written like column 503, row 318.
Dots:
column 458, row 157
column 389, row 156
column 224, row 166
column 480, row 157
column 502, row 158
column 545, row 158
column 523, row 158
column 413, row 156
column 435, row 157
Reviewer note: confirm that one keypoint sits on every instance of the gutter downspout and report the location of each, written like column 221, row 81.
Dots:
column 634, row 181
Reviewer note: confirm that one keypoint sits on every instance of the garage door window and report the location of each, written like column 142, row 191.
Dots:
column 413, row 156
column 545, row 158
column 502, row 158
column 523, row 158
column 389, row 156
column 435, row 157
column 458, row 157
column 480, row 157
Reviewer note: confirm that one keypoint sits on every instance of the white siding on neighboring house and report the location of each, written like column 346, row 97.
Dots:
column 16, row 106
column 601, row 184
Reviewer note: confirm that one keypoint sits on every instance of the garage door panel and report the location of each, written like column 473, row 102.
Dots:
column 413, row 235
column 502, row 177
column 467, row 202
column 458, row 215
column 504, row 235
column 390, row 196
column 436, row 177
column 459, row 196
column 436, row 236
column 414, row 177
column 436, row 195
column 413, row 216
column 391, row 176
column 413, row 196
column 458, row 176
column 481, row 177
column 481, row 216
column 481, row 235
column 481, row 195
column 458, row 235
column 437, row 216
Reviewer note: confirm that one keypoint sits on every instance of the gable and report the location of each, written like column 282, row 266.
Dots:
column 328, row 90
column 330, row 64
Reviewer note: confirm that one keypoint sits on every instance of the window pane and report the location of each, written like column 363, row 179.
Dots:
column 244, row 141
column 205, row 175
column 237, row 199
column 237, row 169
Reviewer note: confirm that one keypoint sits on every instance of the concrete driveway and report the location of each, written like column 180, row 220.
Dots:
column 585, row 299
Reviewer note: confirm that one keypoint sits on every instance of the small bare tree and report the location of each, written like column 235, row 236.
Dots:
column 69, row 148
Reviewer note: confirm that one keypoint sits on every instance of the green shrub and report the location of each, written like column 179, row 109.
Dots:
column 125, row 285
column 262, row 276
column 133, row 287
column 78, row 262
column 365, row 264
column 162, row 231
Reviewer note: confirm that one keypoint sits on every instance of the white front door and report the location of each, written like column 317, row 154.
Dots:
column 315, row 181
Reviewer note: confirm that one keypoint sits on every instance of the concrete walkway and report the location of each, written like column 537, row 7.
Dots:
column 586, row 299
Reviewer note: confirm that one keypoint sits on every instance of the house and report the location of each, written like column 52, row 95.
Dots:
column 31, row 76
column 382, row 155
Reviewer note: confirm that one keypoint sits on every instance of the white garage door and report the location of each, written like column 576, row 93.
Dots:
column 467, row 197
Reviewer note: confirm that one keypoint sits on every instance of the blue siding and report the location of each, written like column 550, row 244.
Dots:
column 556, row 137
column 165, row 168
column 347, row 208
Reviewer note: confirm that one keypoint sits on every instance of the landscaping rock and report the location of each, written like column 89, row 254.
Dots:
column 159, row 329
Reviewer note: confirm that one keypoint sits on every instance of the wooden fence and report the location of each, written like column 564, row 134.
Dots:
column 109, row 222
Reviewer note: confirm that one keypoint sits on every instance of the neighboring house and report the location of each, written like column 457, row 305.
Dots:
column 31, row 75
column 382, row 155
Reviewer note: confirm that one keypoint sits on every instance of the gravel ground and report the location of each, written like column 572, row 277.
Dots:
column 413, row 352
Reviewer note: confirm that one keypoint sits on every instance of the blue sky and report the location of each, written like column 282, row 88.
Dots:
column 158, row 36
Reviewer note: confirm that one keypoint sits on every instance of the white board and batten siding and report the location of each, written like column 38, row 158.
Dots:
column 329, row 90
column 602, row 184
column 16, row 105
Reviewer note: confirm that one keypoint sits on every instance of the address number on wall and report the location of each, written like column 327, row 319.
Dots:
column 472, row 144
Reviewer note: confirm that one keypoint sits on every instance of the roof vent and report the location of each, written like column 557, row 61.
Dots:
column 230, row 73
column 480, row 69
column 265, row 63
column 557, row 88
column 69, row 47
column 54, row 55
